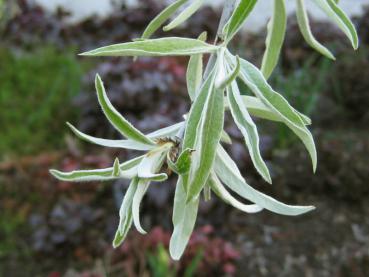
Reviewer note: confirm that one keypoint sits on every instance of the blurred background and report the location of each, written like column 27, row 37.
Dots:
column 51, row 228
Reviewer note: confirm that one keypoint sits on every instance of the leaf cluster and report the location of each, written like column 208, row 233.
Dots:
column 193, row 149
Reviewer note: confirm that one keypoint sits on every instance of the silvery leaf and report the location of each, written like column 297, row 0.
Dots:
column 337, row 15
column 195, row 71
column 255, row 80
column 206, row 121
column 141, row 190
column 125, row 214
column 276, row 33
column 125, row 144
column 223, row 194
column 171, row 46
column 184, row 15
column 128, row 170
column 229, row 174
column 238, row 17
column 304, row 24
column 116, row 119
column 184, row 219
column 248, row 129
column 159, row 20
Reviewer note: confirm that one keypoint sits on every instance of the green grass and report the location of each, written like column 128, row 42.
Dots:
column 35, row 95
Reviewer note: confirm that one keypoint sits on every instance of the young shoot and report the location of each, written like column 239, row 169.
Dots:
column 193, row 149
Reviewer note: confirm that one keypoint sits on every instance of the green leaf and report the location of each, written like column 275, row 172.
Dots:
column 230, row 175
column 194, row 117
column 223, row 194
column 248, row 129
column 258, row 109
column 128, row 170
column 254, row 79
column 184, row 219
column 172, row 46
column 170, row 131
column 125, row 144
column 116, row 119
column 125, row 214
column 205, row 122
column 159, row 20
column 184, row 15
column 276, row 34
column 141, row 190
column 238, row 17
column 304, row 24
column 151, row 163
column 183, row 163
column 116, row 168
column 223, row 81
column 337, row 15
column 147, row 171
column 195, row 71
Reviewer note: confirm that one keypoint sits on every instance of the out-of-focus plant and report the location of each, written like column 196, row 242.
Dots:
column 32, row 86
column 160, row 264
column 192, row 149
column 303, row 86
column 8, row 9
column 207, row 254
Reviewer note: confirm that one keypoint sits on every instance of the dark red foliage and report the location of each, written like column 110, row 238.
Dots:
column 219, row 257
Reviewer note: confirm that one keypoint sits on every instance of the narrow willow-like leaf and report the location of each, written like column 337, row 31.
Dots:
column 248, row 129
column 159, row 20
column 304, row 24
column 195, row 71
column 125, row 214
column 147, row 171
column 141, row 190
column 229, row 77
column 116, row 119
column 151, row 163
column 184, row 219
column 208, row 135
column 172, row 46
column 184, row 15
column 223, row 194
column 254, row 79
column 258, row 109
column 238, row 17
column 194, row 117
column 119, row 238
column 169, row 131
column 124, row 144
column 229, row 174
column 337, row 15
column 128, row 170
column 276, row 33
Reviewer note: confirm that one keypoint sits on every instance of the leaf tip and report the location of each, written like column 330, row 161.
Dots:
column 98, row 78
column 55, row 173
column 166, row 28
column 116, row 168
column 86, row 54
